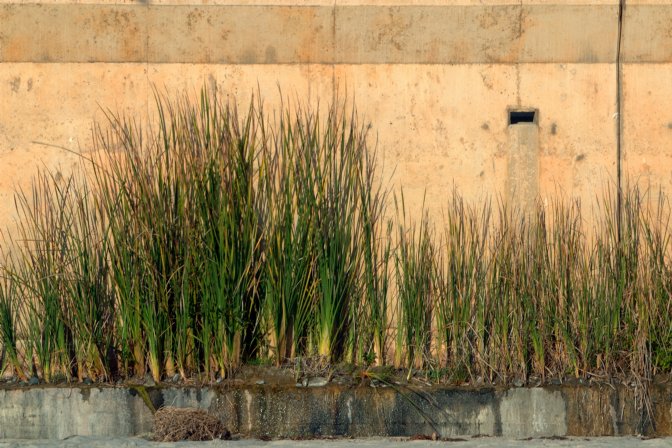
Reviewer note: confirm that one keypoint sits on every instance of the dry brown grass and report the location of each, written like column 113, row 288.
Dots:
column 173, row 424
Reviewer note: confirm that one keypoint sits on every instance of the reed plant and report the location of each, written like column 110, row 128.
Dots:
column 10, row 329
column 460, row 279
column 338, row 229
column 42, row 272
column 373, row 316
column 414, row 267
column 290, row 249
column 183, row 206
column 656, row 306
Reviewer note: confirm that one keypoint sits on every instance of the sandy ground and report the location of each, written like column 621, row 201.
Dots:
column 95, row 442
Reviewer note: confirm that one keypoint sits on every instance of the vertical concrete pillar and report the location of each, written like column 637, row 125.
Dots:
column 523, row 163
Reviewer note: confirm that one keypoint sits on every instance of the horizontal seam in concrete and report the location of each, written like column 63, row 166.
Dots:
column 339, row 64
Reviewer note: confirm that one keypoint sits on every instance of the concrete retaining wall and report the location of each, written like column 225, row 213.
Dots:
column 280, row 412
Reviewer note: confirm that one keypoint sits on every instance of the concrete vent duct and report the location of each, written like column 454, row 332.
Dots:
column 523, row 163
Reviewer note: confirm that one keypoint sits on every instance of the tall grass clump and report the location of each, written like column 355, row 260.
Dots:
column 11, row 358
column 231, row 227
column 185, row 241
column 376, row 252
column 523, row 295
column 289, row 274
column 338, row 230
column 214, row 235
column 324, row 206
column 460, row 278
column 414, row 266
column 58, row 284
column 577, row 302
column 184, row 212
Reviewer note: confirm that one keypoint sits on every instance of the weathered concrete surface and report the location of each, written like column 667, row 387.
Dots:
column 523, row 166
column 647, row 32
column 647, row 140
column 240, row 35
column 537, row 412
column 441, row 127
column 95, row 442
column 57, row 413
column 335, row 33
column 435, row 77
column 577, row 127
column 362, row 411
column 342, row 33
column 358, row 412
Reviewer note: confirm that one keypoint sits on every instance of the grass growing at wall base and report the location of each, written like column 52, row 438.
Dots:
column 217, row 237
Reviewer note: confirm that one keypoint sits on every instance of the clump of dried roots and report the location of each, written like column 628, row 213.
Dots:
column 173, row 424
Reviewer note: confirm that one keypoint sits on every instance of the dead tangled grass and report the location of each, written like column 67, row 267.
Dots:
column 173, row 424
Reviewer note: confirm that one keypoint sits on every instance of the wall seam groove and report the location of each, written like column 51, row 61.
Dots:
column 619, row 123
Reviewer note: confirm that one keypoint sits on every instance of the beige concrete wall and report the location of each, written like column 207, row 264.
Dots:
column 434, row 77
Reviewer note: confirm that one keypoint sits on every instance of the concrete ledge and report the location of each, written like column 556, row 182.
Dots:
column 332, row 34
column 332, row 410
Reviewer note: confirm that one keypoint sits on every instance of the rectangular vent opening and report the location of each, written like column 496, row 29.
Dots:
column 522, row 116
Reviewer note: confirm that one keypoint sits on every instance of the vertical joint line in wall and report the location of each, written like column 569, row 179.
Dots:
column 619, row 124
column 148, row 87
column 333, row 54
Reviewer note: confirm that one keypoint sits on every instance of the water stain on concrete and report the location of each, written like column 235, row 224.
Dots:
column 334, row 410
column 15, row 84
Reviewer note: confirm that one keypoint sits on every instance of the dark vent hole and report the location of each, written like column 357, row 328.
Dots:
column 520, row 116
